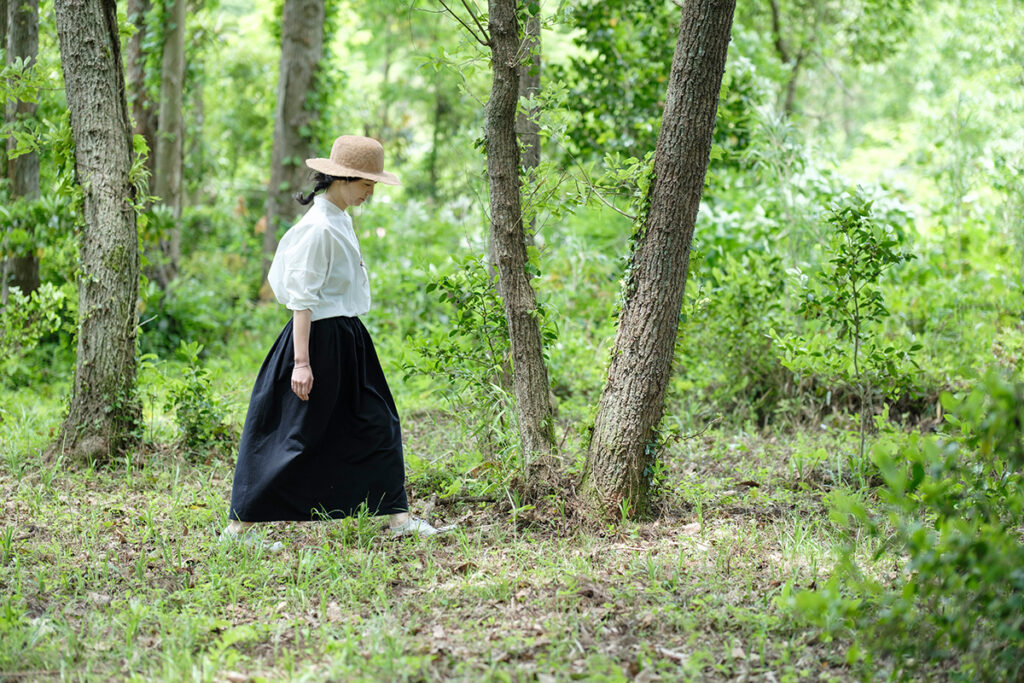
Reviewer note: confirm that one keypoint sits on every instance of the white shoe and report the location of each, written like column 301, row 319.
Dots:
column 415, row 525
column 250, row 539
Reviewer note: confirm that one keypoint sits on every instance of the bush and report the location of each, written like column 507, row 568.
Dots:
column 735, row 306
column 467, row 352
column 25, row 321
column 200, row 416
column 954, row 506
column 845, row 308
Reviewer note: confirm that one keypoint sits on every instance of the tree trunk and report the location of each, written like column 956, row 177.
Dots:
column 4, row 20
column 508, row 242
column 302, row 42
column 141, row 104
column 622, row 447
column 23, row 171
column 104, row 412
column 526, row 122
column 167, row 178
column 4, row 263
column 195, row 151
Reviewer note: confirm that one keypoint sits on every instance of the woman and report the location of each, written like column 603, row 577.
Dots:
column 322, row 437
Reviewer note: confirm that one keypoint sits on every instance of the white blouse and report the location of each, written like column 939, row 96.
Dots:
column 318, row 265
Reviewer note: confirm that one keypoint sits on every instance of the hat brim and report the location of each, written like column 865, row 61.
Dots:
column 328, row 167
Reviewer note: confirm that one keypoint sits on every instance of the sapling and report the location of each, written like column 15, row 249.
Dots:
column 846, row 297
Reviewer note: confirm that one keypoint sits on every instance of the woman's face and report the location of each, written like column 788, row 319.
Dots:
column 352, row 193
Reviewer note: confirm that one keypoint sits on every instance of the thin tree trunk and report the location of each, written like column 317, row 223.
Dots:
column 4, row 263
column 526, row 122
column 302, row 41
column 167, row 179
column 104, row 412
column 789, row 99
column 508, row 242
column 194, row 153
column 4, row 20
column 622, row 448
column 789, row 104
column 23, row 171
column 141, row 105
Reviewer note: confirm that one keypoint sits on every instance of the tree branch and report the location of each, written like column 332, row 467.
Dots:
column 593, row 188
column 780, row 46
column 477, row 21
column 485, row 43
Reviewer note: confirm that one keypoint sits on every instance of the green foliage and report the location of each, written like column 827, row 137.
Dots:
column 845, row 307
column 26, row 320
column 32, row 225
column 211, row 298
column 203, row 431
column 733, row 306
column 953, row 506
column 468, row 352
column 848, row 297
column 20, row 80
column 617, row 83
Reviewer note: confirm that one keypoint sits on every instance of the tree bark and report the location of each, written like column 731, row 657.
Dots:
column 529, row 374
column 302, row 42
column 526, row 122
column 622, row 448
column 167, row 178
column 23, row 171
column 4, row 20
column 141, row 105
column 104, row 412
column 4, row 263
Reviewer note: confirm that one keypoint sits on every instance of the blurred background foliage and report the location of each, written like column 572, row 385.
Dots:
column 906, row 112
column 919, row 104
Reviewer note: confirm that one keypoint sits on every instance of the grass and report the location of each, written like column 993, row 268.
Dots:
column 116, row 573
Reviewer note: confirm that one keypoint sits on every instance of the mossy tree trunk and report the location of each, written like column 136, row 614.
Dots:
column 302, row 42
column 104, row 413
column 622, row 448
column 508, row 240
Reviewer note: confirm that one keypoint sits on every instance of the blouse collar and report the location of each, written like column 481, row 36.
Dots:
column 329, row 208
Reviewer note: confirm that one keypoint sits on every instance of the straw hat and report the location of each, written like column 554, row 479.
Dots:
column 353, row 156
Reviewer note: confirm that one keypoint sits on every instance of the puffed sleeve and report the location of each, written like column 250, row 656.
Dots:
column 300, row 269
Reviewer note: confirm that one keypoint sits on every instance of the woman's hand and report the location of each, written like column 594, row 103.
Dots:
column 302, row 374
column 302, row 381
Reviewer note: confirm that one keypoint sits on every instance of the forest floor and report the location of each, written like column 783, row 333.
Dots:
column 117, row 573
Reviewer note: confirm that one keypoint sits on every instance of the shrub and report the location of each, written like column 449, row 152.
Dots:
column 200, row 416
column 845, row 308
column 468, row 352
column 954, row 506
column 26, row 320
column 736, row 303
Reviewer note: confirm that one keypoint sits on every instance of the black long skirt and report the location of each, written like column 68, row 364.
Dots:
column 328, row 456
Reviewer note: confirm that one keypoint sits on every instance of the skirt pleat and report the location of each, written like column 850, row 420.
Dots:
column 327, row 457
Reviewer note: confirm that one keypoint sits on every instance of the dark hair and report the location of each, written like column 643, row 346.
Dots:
column 321, row 181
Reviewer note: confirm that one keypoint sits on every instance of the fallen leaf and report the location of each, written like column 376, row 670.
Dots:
column 673, row 654
column 99, row 599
